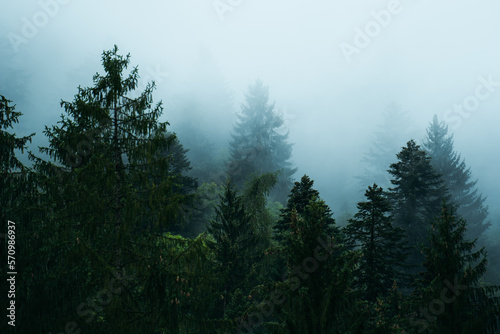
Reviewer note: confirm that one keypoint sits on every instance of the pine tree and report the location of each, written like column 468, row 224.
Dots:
column 255, row 196
column 457, row 177
column 257, row 147
column 179, row 167
column 384, row 247
column 106, row 180
column 416, row 196
column 234, row 239
column 318, row 283
column 300, row 196
column 17, row 196
column 14, row 176
column 451, row 296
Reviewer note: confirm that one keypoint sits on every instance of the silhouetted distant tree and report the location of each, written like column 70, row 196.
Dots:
column 387, row 141
column 457, row 177
column 257, row 147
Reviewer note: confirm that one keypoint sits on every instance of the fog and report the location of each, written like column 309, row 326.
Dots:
column 331, row 67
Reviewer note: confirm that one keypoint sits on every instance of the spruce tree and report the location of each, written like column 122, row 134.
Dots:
column 14, row 176
column 17, row 198
column 179, row 168
column 105, row 182
column 451, row 296
column 234, row 239
column 318, row 281
column 458, row 179
column 416, row 196
column 300, row 196
column 384, row 247
column 257, row 147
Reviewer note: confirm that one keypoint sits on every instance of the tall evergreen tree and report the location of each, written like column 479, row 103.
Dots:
column 257, row 147
column 451, row 295
column 179, row 167
column 17, row 196
column 234, row 241
column 416, row 196
column 13, row 174
column 458, row 179
column 106, row 180
column 318, row 287
column 384, row 247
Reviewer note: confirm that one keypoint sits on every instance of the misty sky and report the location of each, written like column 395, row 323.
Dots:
column 426, row 56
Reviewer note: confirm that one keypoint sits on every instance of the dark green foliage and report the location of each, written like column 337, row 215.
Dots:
column 179, row 166
column 234, row 239
column 300, row 196
column 17, row 196
column 14, row 176
column 257, row 147
column 416, row 195
column 452, row 299
column 383, row 246
column 94, row 255
column 319, row 280
column 107, row 182
column 457, row 177
column 255, row 197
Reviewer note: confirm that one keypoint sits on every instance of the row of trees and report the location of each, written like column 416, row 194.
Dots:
column 98, row 224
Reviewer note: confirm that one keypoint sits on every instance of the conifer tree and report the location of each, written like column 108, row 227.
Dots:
column 452, row 298
column 300, row 196
column 257, row 147
column 416, row 196
column 14, row 176
column 458, row 179
column 384, row 247
column 106, row 180
column 179, row 166
column 318, row 286
column 234, row 239
column 17, row 198
column 255, row 196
